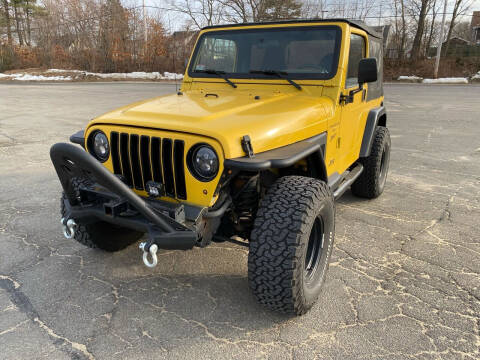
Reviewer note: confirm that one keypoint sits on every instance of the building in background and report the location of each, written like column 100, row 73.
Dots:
column 475, row 26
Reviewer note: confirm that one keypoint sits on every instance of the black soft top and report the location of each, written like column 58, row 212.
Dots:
column 356, row 23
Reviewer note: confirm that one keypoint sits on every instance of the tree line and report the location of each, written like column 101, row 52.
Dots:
column 93, row 35
column 110, row 36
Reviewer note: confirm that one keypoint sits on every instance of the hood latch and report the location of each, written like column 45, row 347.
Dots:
column 247, row 146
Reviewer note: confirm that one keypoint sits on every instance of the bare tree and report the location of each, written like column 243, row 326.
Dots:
column 280, row 10
column 419, row 10
column 314, row 8
column 404, row 30
column 431, row 33
column 353, row 9
column 6, row 10
column 460, row 8
column 463, row 30
column 27, row 9
column 399, row 36
column 242, row 11
column 201, row 12
column 18, row 21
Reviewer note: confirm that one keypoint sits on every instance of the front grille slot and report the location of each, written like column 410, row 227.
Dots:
column 167, row 163
column 156, row 160
column 117, row 169
column 135, row 160
column 143, row 158
column 178, row 151
column 125, row 159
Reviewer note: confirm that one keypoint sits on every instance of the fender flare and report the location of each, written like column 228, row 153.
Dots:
column 373, row 120
column 312, row 149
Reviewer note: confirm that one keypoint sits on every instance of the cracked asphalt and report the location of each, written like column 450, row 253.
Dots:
column 403, row 281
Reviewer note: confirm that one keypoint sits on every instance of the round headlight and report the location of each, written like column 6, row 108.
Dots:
column 100, row 146
column 203, row 161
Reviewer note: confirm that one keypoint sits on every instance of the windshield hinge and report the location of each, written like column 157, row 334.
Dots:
column 345, row 99
column 247, row 146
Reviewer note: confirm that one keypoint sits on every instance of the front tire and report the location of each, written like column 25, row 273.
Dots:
column 100, row 234
column 371, row 182
column 291, row 244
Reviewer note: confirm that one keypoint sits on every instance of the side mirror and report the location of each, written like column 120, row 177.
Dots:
column 367, row 71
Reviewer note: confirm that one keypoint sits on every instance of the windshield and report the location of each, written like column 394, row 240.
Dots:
column 299, row 52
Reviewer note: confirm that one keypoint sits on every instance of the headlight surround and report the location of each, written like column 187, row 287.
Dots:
column 203, row 162
column 98, row 145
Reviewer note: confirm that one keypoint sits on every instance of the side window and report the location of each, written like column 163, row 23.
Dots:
column 375, row 50
column 218, row 54
column 357, row 52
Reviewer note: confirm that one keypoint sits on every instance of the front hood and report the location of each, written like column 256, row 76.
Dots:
column 271, row 120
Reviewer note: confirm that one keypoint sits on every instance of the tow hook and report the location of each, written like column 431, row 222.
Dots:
column 153, row 253
column 69, row 228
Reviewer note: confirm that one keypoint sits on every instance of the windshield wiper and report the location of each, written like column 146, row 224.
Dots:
column 219, row 73
column 279, row 74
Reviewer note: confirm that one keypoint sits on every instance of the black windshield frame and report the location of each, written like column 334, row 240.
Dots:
column 295, row 76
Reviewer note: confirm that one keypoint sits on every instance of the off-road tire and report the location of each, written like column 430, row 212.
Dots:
column 371, row 182
column 101, row 235
column 277, row 261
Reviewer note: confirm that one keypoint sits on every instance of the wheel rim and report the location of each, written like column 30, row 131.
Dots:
column 384, row 166
column 314, row 249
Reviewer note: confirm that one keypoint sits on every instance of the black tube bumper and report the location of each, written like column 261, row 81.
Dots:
column 107, row 198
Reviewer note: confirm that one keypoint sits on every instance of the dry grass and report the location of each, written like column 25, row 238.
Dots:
column 449, row 67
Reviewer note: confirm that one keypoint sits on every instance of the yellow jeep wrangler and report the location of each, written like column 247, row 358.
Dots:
column 273, row 122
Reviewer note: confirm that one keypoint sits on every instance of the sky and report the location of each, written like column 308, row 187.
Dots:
column 175, row 21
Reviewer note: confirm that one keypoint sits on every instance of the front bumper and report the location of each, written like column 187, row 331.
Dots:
column 169, row 226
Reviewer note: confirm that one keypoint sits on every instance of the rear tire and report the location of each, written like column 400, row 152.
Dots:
column 371, row 182
column 100, row 234
column 291, row 244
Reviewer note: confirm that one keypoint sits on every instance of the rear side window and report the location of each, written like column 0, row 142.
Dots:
column 375, row 50
column 357, row 52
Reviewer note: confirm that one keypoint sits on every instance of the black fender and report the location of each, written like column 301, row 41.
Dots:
column 312, row 149
column 376, row 116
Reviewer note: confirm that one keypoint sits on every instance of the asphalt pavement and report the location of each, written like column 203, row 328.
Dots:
column 404, row 280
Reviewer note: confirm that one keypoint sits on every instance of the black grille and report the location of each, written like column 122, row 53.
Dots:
column 140, row 159
column 167, row 162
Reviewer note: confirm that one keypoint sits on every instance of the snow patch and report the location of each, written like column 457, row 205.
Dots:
column 139, row 75
column 410, row 78
column 62, row 71
column 476, row 76
column 29, row 77
column 453, row 80
column 133, row 75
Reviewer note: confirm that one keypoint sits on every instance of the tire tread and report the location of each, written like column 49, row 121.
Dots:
column 367, row 185
column 275, row 259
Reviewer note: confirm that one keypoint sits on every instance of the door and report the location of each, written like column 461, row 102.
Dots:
column 353, row 112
